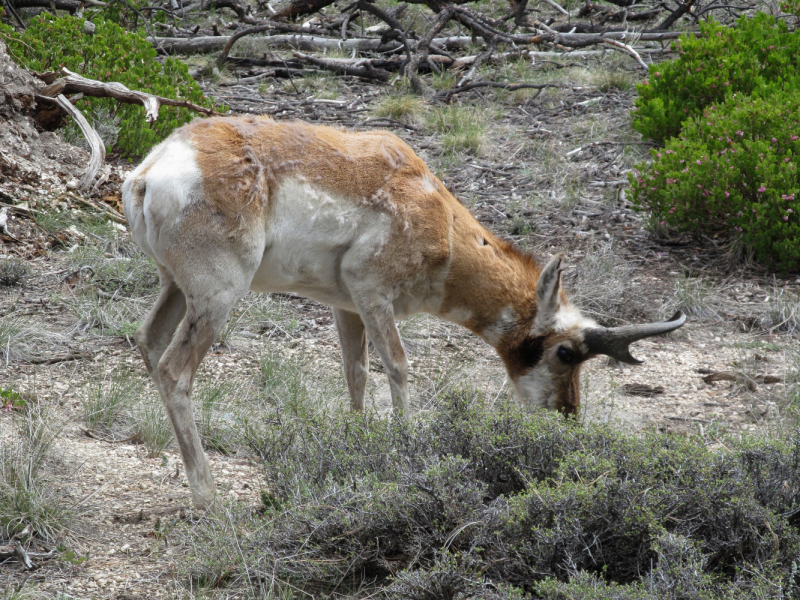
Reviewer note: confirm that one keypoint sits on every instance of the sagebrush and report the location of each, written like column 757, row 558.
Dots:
column 497, row 503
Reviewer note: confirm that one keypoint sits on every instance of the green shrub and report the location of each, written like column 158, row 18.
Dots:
column 110, row 54
column 477, row 502
column 760, row 56
column 734, row 169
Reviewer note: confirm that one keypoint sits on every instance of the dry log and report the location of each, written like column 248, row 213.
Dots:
column 72, row 83
column 95, row 142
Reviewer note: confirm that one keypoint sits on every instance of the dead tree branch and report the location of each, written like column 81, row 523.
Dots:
column 422, row 48
column 682, row 9
column 95, row 142
column 362, row 68
column 628, row 50
column 72, row 83
column 397, row 31
column 511, row 87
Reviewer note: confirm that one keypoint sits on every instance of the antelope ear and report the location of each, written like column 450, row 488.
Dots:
column 548, row 293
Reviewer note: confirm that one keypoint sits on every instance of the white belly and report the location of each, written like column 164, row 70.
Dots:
column 308, row 234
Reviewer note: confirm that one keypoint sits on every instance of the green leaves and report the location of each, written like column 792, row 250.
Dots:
column 735, row 169
column 759, row 57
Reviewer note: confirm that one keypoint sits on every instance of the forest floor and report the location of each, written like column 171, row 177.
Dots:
column 68, row 323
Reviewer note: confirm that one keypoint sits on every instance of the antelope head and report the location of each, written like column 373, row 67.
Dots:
column 544, row 359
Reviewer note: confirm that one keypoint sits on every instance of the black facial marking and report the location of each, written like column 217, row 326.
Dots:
column 530, row 351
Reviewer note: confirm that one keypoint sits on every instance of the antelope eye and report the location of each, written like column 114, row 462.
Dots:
column 566, row 355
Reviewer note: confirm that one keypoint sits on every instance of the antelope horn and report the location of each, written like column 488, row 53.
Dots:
column 614, row 341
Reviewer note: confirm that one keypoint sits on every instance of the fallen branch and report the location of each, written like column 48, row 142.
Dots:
column 95, row 142
column 23, row 556
column 71, row 5
column 73, row 83
column 627, row 50
column 511, row 87
column 362, row 68
column 59, row 359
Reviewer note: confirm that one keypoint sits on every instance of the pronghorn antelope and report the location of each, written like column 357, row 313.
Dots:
column 355, row 221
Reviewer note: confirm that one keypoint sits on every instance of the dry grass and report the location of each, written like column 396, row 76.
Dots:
column 601, row 286
column 463, row 128
column 406, row 106
column 27, row 440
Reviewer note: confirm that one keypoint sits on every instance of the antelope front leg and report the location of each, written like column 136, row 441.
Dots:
column 355, row 360
column 378, row 318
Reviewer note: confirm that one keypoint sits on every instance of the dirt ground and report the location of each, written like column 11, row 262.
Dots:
column 529, row 184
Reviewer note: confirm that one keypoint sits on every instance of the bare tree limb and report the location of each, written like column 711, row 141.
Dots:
column 397, row 28
column 7, row 4
column 73, row 83
column 362, row 68
column 511, row 87
column 71, row 5
column 682, row 9
column 422, row 48
column 628, row 50
column 95, row 142
column 556, row 6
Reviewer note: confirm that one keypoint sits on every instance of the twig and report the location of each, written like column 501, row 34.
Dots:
column 105, row 209
column 627, row 49
column 85, row 498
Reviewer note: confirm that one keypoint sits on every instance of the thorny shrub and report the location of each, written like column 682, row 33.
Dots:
column 471, row 501
column 733, row 169
column 110, row 54
column 759, row 57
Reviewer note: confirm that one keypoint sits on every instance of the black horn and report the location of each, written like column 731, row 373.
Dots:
column 614, row 341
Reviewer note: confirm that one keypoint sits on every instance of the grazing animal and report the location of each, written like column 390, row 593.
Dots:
column 353, row 220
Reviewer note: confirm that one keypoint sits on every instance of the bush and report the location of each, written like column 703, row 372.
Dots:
column 733, row 169
column 110, row 54
column 759, row 57
column 496, row 503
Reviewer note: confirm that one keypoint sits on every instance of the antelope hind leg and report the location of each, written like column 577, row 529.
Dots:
column 156, row 331
column 218, row 282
